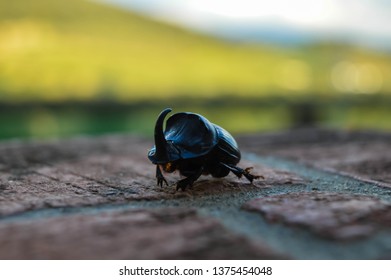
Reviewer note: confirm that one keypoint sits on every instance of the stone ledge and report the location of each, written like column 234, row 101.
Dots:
column 100, row 193
column 330, row 215
column 131, row 234
column 94, row 171
column 362, row 155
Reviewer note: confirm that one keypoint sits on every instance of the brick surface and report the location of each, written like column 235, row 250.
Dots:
column 93, row 171
column 31, row 191
column 330, row 215
column 128, row 234
column 96, row 198
column 363, row 155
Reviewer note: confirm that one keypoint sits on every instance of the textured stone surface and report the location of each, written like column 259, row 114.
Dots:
column 331, row 215
column 130, row 234
column 364, row 155
column 92, row 171
column 31, row 191
column 96, row 197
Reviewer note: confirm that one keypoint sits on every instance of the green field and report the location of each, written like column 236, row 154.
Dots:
column 82, row 50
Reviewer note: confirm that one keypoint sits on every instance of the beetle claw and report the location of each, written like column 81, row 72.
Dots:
column 239, row 172
column 250, row 176
column 160, row 178
column 248, row 169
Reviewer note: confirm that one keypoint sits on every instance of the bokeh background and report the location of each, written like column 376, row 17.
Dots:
column 109, row 66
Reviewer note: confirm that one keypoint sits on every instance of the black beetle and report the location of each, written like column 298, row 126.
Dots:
column 194, row 146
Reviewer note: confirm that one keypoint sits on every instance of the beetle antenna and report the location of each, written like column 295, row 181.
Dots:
column 160, row 140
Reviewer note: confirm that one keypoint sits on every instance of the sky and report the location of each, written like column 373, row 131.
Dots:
column 363, row 22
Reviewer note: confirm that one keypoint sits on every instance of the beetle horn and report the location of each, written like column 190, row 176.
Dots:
column 160, row 140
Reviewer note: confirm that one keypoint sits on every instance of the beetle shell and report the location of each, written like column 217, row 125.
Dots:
column 230, row 152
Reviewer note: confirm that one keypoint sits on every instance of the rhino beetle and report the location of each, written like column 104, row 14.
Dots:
column 194, row 146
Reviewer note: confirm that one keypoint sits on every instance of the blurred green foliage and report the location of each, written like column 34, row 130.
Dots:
column 82, row 50
column 78, row 66
column 238, row 116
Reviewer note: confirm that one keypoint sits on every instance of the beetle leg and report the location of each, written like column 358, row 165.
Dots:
column 187, row 182
column 250, row 176
column 160, row 178
column 239, row 172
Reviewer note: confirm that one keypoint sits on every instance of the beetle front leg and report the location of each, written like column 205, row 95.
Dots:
column 160, row 178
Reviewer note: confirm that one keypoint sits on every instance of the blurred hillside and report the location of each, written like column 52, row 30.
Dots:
column 81, row 50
